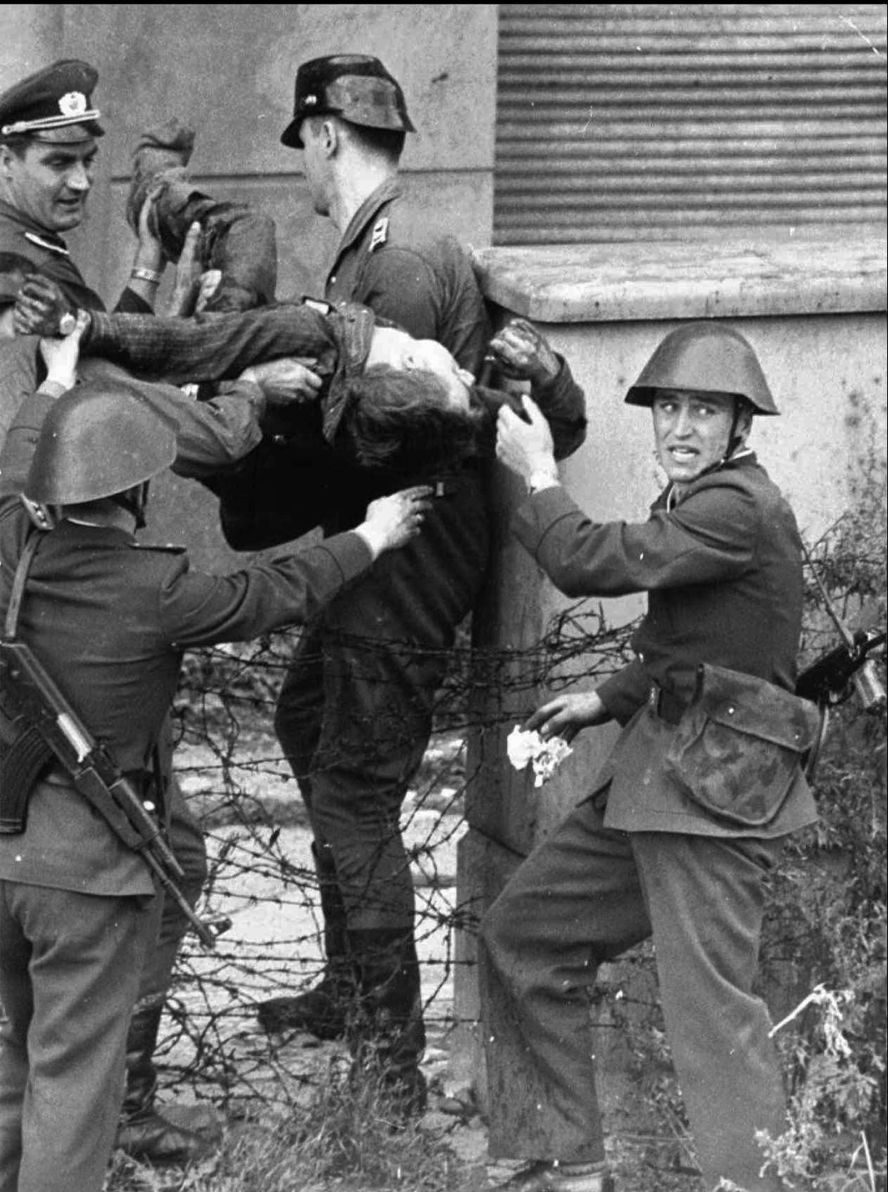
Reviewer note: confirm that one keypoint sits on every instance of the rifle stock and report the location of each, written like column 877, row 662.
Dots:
column 94, row 774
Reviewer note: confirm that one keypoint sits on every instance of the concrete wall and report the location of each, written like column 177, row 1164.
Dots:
column 228, row 70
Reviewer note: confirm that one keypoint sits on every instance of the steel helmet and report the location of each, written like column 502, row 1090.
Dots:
column 97, row 442
column 704, row 357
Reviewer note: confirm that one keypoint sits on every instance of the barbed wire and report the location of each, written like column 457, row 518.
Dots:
column 237, row 780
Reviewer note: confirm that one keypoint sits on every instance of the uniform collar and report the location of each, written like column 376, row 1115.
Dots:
column 368, row 210
column 742, row 458
column 33, row 231
column 110, row 535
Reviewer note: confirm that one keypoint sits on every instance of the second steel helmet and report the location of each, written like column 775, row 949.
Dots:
column 97, row 442
column 704, row 357
column 356, row 87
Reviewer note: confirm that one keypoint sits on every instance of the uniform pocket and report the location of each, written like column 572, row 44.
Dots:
column 740, row 745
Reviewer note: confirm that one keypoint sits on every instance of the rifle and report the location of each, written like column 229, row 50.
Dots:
column 54, row 728
column 846, row 668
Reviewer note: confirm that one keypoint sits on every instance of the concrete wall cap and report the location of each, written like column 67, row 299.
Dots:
column 615, row 282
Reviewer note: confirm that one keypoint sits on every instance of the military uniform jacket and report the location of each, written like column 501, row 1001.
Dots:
column 49, row 255
column 418, row 280
column 110, row 619
column 724, row 577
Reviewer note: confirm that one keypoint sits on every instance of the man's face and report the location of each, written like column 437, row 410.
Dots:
column 50, row 182
column 691, row 431
column 400, row 350
column 315, row 163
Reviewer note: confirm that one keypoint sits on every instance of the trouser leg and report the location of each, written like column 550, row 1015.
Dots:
column 186, row 840
column 573, row 904
column 143, row 1132
column 17, row 1001
column 706, row 901
column 322, row 1009
column 386, row 1033
column 69, row 1018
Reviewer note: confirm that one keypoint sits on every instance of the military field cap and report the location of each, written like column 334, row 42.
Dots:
column 57, row 97
column 356, row 87
column 704, row 357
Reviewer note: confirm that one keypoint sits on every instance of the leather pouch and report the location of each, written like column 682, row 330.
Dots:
column 740, row 745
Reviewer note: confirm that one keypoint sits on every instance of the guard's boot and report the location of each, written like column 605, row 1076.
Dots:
column 324, row 1009
column 387, row 1035
column 142, row 1131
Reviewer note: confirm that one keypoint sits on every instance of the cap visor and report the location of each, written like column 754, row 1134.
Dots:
column 70, row 134
column 290, row 136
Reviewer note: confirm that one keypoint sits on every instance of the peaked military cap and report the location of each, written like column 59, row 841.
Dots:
column 59, row 96
column 705, row 357
column 356, row 87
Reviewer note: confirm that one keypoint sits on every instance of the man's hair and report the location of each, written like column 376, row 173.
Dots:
column 17, row 144
column 383, row 142
column 402, row 422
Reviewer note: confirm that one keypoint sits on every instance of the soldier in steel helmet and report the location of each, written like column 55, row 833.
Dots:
column 109, row 618
column 676, row 835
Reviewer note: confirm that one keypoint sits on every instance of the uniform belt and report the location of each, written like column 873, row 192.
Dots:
column 666, row 704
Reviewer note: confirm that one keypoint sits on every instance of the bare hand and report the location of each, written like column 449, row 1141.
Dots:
column 525, row 447
column 207, row 285
column 392, row 521
column 520, row 351
column 61, row 355
column 567, row 714
column 188, row 272
column 149, row 251
column 285, row 381
column 41, row 307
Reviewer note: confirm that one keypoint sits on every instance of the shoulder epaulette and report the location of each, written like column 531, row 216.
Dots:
column 380, row 232
column 171, row 548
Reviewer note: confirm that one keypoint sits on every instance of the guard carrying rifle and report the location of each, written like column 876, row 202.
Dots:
column 96, row 625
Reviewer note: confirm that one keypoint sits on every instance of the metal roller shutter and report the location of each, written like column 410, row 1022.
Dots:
column 658, row 122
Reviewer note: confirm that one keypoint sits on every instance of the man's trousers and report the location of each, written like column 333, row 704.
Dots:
column 355, row 711
column 583, row 897
column 70, row 966
column 186, row 840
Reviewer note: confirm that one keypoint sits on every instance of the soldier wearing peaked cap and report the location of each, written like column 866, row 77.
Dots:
column 49, row 131
column 354, row 728
column 49, row 134
column 675, row 836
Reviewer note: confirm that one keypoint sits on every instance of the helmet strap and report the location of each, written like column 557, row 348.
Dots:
column 735, row 441
column 135, row 501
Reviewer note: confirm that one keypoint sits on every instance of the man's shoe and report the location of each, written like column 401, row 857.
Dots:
column 152, row 1138
column 322, row 1011
column 560, row 1177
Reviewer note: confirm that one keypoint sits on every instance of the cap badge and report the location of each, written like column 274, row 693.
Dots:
column 73, row 103
column 310, row 101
